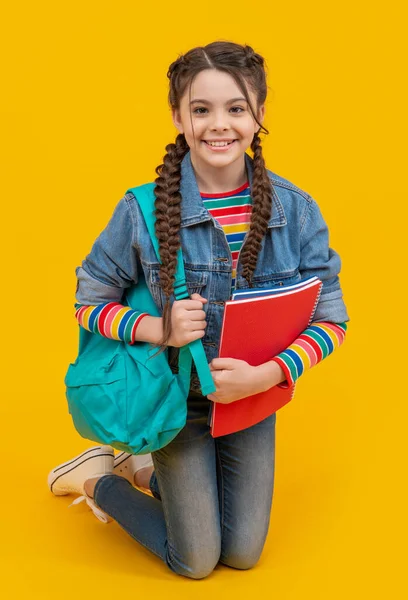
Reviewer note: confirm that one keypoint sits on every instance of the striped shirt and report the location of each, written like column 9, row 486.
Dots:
column 313, row 345
column 110, row 319
column 232, row 210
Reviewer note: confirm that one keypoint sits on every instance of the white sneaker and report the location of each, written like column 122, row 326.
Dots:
column 127, row 465
column 69, row 477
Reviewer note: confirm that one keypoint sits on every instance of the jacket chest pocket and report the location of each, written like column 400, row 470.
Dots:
column 196, row 282
column 270, row 280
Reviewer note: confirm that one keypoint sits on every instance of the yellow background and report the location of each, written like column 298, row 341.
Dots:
column 85, row 116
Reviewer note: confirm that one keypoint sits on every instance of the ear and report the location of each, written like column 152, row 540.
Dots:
column 261, row 113
column 177, row 120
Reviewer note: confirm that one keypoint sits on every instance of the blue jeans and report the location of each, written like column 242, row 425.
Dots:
column 212, row 496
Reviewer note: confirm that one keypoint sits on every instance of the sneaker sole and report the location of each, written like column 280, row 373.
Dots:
column 68, row 466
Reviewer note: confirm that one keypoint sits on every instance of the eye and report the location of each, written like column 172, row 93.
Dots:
column 233, row 107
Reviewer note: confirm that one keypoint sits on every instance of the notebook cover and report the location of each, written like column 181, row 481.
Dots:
column 256, row 330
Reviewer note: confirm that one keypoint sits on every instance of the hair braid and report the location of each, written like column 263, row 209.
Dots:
column 261, row 212
column 168, row 218
column 247, row 68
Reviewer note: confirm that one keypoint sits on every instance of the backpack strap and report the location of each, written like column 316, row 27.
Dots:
column 146, row 198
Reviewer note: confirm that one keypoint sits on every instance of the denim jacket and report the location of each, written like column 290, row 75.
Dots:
column 296, row 246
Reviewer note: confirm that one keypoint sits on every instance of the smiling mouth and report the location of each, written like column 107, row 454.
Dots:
column 221, row 146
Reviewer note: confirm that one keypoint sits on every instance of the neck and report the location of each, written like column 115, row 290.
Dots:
column 216, row 180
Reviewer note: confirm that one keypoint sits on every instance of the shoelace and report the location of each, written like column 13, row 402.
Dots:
column 99, row 514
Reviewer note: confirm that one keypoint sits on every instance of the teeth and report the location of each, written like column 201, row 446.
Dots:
column 219, row 143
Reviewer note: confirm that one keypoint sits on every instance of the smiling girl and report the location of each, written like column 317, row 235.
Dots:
column 239, row 225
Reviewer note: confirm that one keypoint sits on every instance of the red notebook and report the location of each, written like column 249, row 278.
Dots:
column 256, row 329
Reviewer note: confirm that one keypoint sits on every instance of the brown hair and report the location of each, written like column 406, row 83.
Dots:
column 246, row 67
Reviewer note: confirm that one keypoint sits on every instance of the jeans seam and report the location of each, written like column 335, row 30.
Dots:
column 169, row 551
column 222, row 491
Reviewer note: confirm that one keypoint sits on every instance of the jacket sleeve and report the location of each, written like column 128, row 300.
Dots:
column 111, row 265
column 317, row 258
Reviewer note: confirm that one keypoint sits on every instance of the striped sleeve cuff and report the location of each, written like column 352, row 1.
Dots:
column 313, row 345
column 110, row 319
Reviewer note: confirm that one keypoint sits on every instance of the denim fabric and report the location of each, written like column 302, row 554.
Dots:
column 212, row 501
column 296, row 246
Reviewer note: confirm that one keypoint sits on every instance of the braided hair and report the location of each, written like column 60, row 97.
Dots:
column 246, row 67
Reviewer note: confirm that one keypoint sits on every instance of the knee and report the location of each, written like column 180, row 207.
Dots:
column 199, row 571
column 196, row 564
column 241, row 557
column 242, row 548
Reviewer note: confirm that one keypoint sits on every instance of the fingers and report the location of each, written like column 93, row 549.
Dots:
column 183, row 312
column 198, row 334
column 196, row 315
column 188, row 320
column 191, row 336
column 190, row 304
column 197, row 296
column 194, row 303
column 222, row 363
column 197, row 325
column 192, row 325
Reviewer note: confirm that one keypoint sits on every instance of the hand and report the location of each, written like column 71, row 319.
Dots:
column 234, row 379
column 187, row 321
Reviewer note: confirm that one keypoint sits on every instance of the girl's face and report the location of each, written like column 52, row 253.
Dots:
column 218, row 112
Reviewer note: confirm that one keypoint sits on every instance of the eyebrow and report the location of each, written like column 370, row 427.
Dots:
column 207, row 102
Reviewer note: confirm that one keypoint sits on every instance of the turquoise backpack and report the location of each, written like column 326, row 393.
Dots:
column 117, row 394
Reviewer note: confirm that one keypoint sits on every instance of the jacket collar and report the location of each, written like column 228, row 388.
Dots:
column 192, row 208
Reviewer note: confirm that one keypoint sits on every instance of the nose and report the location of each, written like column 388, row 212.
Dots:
column 220, row 121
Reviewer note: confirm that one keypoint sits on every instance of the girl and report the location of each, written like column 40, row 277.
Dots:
column 240, row 225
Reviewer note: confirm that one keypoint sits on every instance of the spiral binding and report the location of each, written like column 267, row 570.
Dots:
column 293, row 391
column 316, row 303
